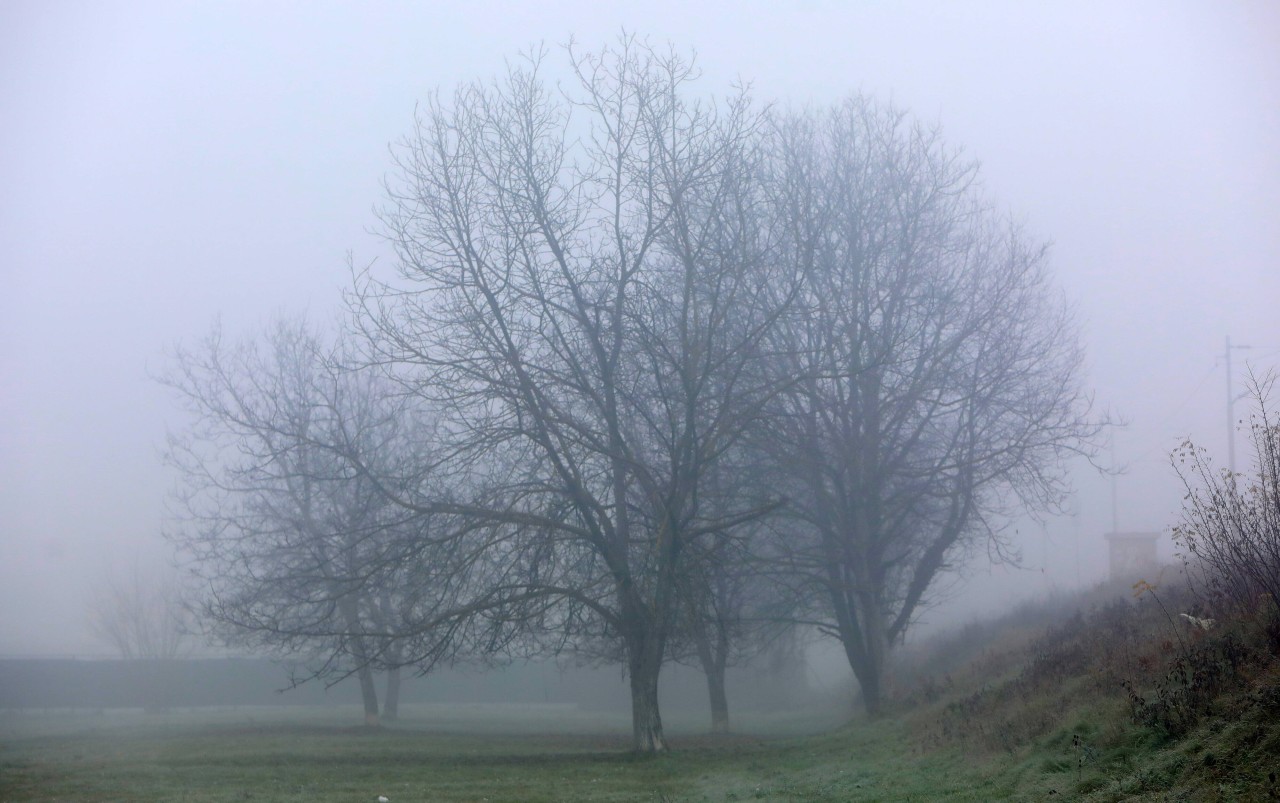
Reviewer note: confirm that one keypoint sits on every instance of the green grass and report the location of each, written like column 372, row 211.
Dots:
column 456, row 753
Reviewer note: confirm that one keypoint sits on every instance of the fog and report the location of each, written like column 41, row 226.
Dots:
column 165, row 164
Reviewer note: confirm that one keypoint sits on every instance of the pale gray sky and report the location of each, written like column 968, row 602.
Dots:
column 164, row 163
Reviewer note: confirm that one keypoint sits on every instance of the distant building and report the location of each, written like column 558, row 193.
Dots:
column 1133, row 555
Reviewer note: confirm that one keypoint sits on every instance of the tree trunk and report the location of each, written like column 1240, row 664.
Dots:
column 370, row 694
column 869, row 679
column 713, row 667
column 391, row 704
column 868, row 668
column 719, row 700
column 644, row 663
column 646, row 721
column 361, row 655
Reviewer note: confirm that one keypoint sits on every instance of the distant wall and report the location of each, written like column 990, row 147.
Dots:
column 71, row 683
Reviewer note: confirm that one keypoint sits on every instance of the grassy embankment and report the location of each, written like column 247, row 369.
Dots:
column 1102, row 698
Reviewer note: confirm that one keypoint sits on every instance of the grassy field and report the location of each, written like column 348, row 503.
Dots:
column 467, row 753
column 1110, row 704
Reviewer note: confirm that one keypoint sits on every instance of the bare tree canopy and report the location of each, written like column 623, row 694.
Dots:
column 693, row 368
column 938, row 372
column 299, row 549
column 583, row 285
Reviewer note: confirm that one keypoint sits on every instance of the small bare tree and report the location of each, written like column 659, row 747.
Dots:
column 141, row 616
column 729, row 616
column 301, row 551
column 1230, row 525
column 732, row 608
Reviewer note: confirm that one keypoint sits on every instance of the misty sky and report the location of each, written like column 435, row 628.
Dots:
column 165, row 163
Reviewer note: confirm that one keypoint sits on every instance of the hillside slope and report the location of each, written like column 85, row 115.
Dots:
column 1113, row 695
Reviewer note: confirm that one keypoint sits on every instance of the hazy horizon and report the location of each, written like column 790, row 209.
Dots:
column 166, row 164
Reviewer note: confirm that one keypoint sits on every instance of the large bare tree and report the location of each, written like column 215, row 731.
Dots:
column 938, row 373
column 582, row 286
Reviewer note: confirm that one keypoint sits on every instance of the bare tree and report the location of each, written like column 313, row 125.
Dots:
column 733, row 610
column 725, row 618
column 582, row 287
column 712, row 594
column 939, row 373
column 299, row 550
column 141, row 616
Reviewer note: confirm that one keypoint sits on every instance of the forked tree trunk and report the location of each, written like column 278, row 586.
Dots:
column 391, row 703
column 368, row 692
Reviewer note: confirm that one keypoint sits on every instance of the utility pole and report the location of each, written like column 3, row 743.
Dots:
column 1231, row 409
column 1115, row 508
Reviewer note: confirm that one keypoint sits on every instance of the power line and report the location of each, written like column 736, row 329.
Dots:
column 1199, row 387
